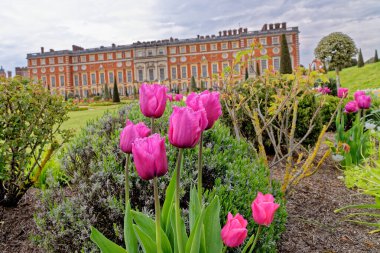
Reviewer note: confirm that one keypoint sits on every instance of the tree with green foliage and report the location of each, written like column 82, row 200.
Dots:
column 336, row 49
column 115, row 97
column 106, row 93
column 30, row 133
column 285, row 62
column 376, row 58
column 360, row 59
column 246, row 74
column 193, row 86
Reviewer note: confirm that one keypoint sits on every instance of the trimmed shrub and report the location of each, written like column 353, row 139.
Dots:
column 95, row 166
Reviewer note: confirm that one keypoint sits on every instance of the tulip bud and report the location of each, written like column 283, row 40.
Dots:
column 178, row 97
column 364, row 102
column 169, row 97
column 351, row 106
column 194, row 102
column 235, row 231
column 130, row 133
column 358, row 93
column 263, row 209
column 152, row 100
column 185, row 127
column 342, row 92
column 149, row 155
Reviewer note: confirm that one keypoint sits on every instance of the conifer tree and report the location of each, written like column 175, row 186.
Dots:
column 115, row 98
column 258, row 69
column 246, row 74
column 376, row 58
column 106, row 94
column 360, row 59
column 285, row 61
column 193, row 86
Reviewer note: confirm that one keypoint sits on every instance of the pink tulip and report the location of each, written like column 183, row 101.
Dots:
column 185, row 127
column 324, row 90
column 178, row 97
column 358, row 94
column 342, row 92
column 130, row 133
column 152, row 100
column 263, row 209
column 149, row 155
column 235, row 231
column 364, row 102
column 351, row 106
column 211, row 103
column 194, row 102
column 169, row 97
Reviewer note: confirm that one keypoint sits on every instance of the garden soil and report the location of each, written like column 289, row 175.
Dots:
column 312, row 224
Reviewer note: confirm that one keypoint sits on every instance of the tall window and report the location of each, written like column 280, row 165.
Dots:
column 275, row 41
column 102, row 78
column 93, row 79
column 204, row 70
column 203, row 47
column 276, row 63
column 215, row 68
column 84, row 79
column 129, row 76
column 60, row 59
column 151, row 74
column 237, row 69
column 44, row 80
column 51, row 61
column 62, row 81
column 110, row 77
column 162, row 74
column 182, row 50
column 264, row 65
column 76, row 80
column 174, row 73
column 119, row 77
column 194, row 71
column 193, row 49
column 184, row 72
column 42, row 61
column 52, row 81
column 140, row 74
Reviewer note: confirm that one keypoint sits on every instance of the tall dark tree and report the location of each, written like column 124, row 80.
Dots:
column 285, row 62
column 360, row 59
column 115, row 97
column 376, row 58
column 193, row 86
column 106, row 93
column 246, row 74
column 258, row 69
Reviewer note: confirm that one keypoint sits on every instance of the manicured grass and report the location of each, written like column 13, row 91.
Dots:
column 354, row 78
column 78, row 119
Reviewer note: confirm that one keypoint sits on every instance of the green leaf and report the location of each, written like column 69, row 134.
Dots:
column 183, row 227
column 194, row 242
column 212, row 224
column 148, row 226
column 195, row 208
column 129, row 234
column 148, row 245
column 105, row 245
column 169, row 202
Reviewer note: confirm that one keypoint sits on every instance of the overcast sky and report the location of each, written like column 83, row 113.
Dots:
column 26, row 25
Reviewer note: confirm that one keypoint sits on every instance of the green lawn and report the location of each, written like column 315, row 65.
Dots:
column 354, row 78
column 78, row 119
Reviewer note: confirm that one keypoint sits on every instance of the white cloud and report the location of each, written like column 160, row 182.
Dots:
column 29, row 24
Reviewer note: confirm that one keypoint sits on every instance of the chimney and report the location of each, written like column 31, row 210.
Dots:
column 171, row 39
column 235, row 31
column 245, row 30
column 207, row 36
column 265, row 27
column 42, row 50
column 213, row 36
column 51, row 50
column 198, row 36
column 284, row 25
column 9, row 74
column 277, row 26
column 224, row 33
column 229, row 32
column 113, row 45
column 270, row 26
column 220, row 33
column 240, row 30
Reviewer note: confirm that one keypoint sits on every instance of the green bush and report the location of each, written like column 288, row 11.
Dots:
column 97, row 98
column 95, row 167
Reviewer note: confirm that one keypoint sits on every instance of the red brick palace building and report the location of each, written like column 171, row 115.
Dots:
column 172, row 62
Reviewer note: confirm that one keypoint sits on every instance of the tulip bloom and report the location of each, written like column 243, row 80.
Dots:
column 342, row 92
column 235, row 231
column 324, row 90
column 152, row 100
column 364, row 102
column 185, row 127
column 358, row 93
column 263, row 209
column 178, row 97
column 169, row 97
column 194, row 102
column 149, row 155
column 351, row 106
column 130, row 133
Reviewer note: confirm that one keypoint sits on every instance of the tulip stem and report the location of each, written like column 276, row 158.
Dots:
column 248, row 243
column 177, row 206
column 127, row 180
column 152, row 125
column 157, row 207
column 224, row 249
column 200, row 169
column 256, row 237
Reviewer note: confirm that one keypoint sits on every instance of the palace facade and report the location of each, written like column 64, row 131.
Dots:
column 172, row 62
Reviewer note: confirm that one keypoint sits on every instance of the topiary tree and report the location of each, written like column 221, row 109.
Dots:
column 336, row 49
column 285, row 62
column 115, row 98
column 376, row 58
column 246, row 74
column 193, row 86
column 360, row 59
column 258, row 69
column 106, row 93
column 30, row 133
